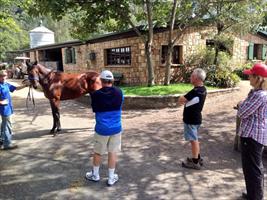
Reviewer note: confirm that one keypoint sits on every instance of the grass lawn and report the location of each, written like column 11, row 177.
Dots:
column 180, row 88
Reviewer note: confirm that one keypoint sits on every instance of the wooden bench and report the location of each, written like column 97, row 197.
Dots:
column 117, row 78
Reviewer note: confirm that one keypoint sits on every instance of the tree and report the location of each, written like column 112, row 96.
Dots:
column 232, row 16
column 12, row 36
column 170, row 44
column 226, row 15
column 91, row 16
column 183, row 15
column 61, row 28
column 15, row 24
column 264, row 23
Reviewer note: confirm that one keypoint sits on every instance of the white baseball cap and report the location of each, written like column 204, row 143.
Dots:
column 107, row 75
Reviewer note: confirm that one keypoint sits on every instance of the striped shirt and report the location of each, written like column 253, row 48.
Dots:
column 253, row 115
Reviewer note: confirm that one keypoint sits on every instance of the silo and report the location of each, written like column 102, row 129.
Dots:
column 41, row 36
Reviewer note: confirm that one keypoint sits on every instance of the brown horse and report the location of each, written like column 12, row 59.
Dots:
column 59, row 86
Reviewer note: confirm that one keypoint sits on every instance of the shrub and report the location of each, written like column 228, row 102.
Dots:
column 239, row 71
column 220, row 75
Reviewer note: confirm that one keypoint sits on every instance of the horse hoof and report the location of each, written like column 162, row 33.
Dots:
column 59, row 129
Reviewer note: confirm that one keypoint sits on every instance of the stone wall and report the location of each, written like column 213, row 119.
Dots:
column 155, row 102
column 240, row 51
column 81, row 59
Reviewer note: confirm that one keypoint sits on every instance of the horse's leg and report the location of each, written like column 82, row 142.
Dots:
column 53, row 108
column 57, row 115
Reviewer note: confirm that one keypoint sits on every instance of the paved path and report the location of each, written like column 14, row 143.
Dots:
column 44, row 167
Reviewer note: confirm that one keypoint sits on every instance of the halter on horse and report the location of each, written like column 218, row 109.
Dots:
column 60, row 86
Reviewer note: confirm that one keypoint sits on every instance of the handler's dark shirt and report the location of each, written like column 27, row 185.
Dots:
column 107, row 105
column 192, row 113
column 107, row 99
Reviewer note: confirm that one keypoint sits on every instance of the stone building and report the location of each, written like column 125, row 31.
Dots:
column 124, row 53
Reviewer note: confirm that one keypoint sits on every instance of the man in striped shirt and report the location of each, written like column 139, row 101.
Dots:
column 253, row 131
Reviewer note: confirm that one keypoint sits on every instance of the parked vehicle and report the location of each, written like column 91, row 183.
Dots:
column 20, row 67
column 3, row 65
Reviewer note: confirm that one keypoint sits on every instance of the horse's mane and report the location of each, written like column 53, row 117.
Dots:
column 44, row 68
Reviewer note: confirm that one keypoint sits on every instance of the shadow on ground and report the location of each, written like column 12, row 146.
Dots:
column 46, row 167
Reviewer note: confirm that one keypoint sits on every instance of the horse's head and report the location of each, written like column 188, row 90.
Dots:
column 93, row 78
column 33, row 73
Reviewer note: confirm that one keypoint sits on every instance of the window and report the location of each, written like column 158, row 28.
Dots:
column 70, row 55
column 118, row 56
column 257, row 51
column 176, row 54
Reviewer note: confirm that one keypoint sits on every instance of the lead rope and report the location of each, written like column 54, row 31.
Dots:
column 30, row 98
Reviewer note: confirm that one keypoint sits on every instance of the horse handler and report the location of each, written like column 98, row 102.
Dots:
column 107, row 105
column 6, row 110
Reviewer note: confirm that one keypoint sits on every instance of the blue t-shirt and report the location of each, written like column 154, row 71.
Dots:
column 107, row 105
column 5, row 89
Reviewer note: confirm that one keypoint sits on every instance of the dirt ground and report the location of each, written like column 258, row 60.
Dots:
column 149, row 166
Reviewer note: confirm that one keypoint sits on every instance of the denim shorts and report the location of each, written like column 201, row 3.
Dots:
column 191, row 132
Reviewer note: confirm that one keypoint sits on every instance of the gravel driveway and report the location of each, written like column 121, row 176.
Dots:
column 46, row 167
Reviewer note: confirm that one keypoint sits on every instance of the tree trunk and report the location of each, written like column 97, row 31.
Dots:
column 146, row 38
column 150, row 69
column 170, row 45
column 220, row 26
column 216, row 54
column 168, row 66
column 148, row 45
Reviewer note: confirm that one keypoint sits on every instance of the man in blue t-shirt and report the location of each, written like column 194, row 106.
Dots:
column 6, row 110
column 106, row 104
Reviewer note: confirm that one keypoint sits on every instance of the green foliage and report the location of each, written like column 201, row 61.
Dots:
column 15, row 24
column 221, row 75
column 9, row 29
column 89, row 18
column 203, row 57
column 239, row 71
column 86, row 17
column 264, row 23
column 236, row 16
column 61, row 28
column 180, row 88
column 224, row 41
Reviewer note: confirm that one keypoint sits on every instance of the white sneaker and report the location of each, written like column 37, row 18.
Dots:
column 112, row 181
column 92, row 177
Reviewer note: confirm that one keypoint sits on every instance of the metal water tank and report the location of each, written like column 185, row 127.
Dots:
column 41, row 36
